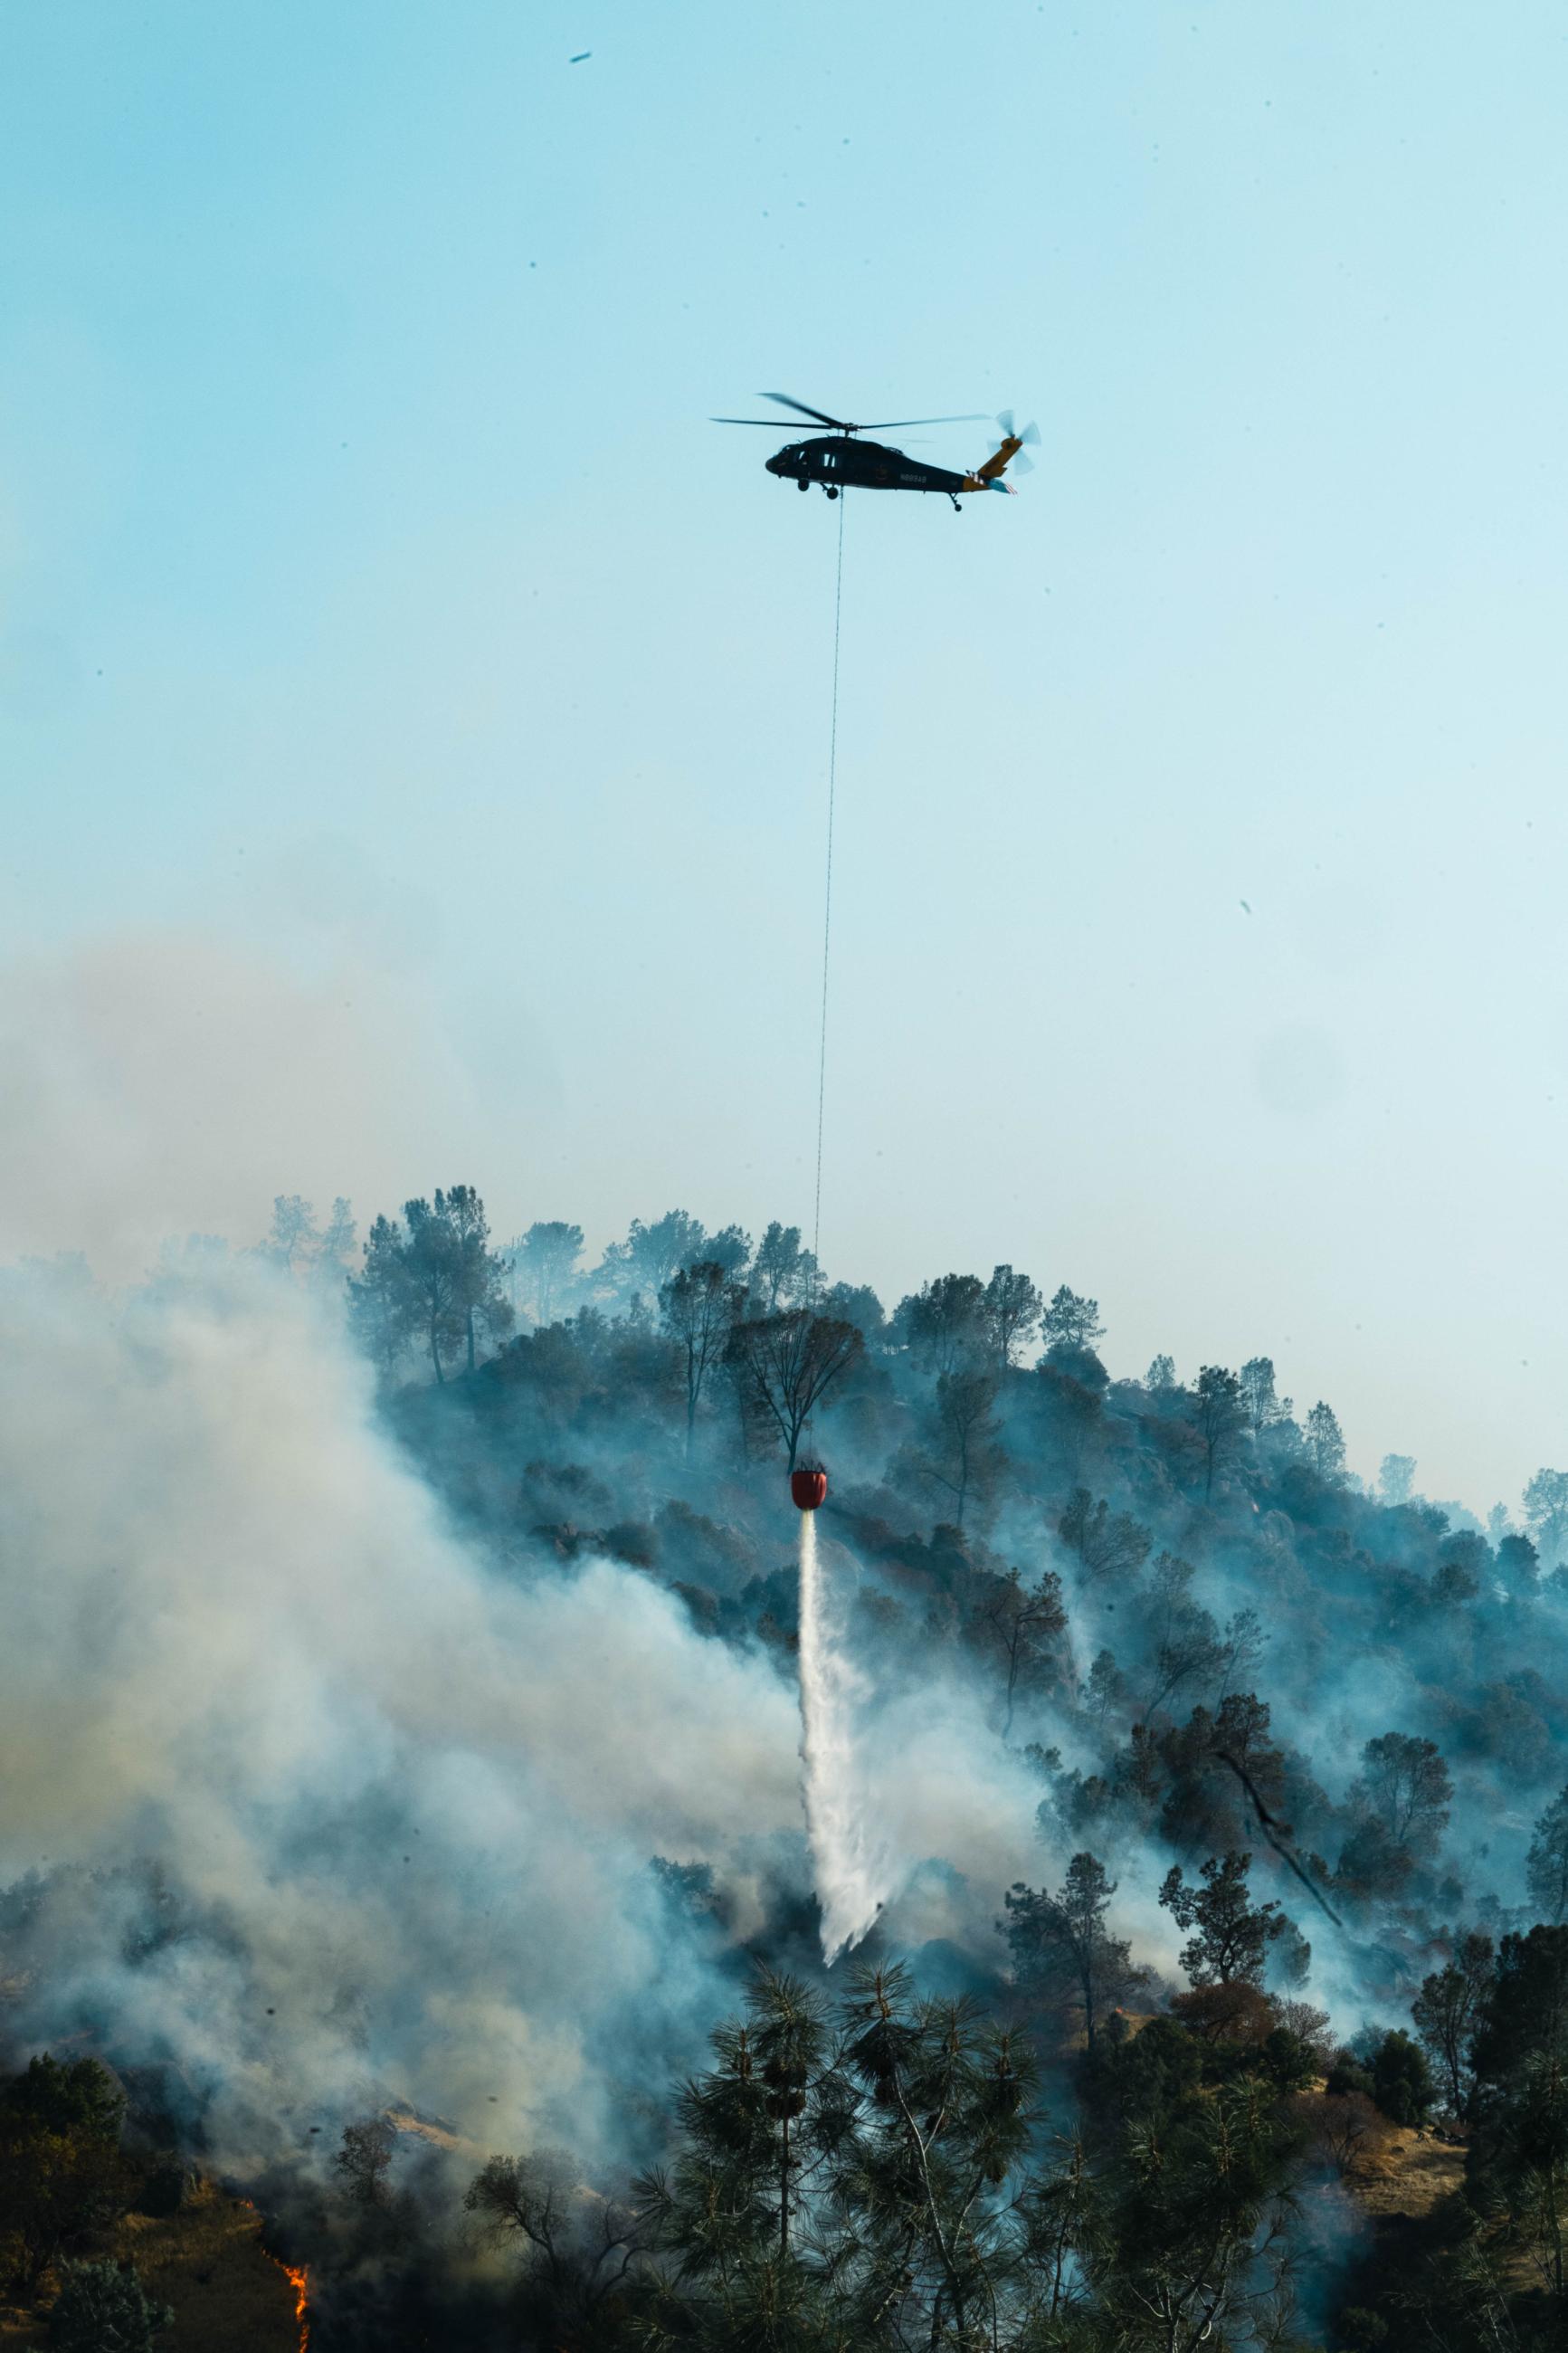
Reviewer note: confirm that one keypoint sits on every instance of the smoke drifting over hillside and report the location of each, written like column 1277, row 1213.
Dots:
column 328, row 1812
column 405, row 1811
column 147, row 1074
column 400, row 1704
column 400, row 1719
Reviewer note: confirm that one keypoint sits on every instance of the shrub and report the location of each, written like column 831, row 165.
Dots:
column 103, row 2308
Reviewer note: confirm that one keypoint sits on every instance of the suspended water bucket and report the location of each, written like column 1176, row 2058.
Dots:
column 808, row 1486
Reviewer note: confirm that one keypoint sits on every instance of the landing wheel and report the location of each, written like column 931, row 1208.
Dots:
column 833, row 489
column 956, row 508
column 802, row 485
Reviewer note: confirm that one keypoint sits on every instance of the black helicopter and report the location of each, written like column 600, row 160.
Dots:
column 846, row 463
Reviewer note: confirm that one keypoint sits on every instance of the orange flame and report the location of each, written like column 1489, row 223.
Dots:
column 299, row 2279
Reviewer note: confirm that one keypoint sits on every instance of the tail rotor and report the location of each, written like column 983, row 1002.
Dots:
column 1020, row 462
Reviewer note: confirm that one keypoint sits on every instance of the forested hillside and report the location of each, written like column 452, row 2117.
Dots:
column 1291, row 1915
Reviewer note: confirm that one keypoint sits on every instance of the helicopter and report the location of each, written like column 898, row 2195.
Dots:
column 846, row 463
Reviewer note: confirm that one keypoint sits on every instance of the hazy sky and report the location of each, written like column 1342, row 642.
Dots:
column 415, row 712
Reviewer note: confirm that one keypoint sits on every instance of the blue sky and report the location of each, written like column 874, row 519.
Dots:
column 416, row 710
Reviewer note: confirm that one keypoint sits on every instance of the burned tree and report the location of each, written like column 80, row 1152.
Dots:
column 436, row 1275
column 1023, row 1625
column 479, row 1291
column 782, row 1271
column 944, row 1324
column 699, row 1306
column 1107, row 1542
column 1219, row 1416
column 789, row 1362
column 1071, row 1324
column 1011, row 1311
column 543, row 1264
column 962, row 1453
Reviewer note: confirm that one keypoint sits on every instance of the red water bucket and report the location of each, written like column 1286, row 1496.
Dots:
column 808, row 1486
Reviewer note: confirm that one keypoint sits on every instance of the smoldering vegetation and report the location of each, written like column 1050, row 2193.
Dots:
column 403, row 1825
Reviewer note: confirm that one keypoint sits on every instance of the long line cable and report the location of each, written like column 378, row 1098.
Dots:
column 828, row 898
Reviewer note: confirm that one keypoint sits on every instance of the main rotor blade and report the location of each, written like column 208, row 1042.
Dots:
column 840, row 424
column 821, row 414
column 886, row 424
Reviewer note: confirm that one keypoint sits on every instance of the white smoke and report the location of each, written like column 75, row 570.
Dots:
column 330, row 1812
column 406, row 1807
column 146, row 1077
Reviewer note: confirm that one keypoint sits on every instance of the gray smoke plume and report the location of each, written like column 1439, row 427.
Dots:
column 405, row 1808
column 327, row 1811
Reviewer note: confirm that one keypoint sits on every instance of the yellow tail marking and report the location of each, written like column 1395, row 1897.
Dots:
column 999, row 463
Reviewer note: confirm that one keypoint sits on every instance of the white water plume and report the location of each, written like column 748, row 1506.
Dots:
column 854, row 1876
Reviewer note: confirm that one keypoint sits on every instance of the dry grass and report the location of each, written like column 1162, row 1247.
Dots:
column 207, row 2261
column 1403, row 2177
column 405, row 2119
column 1409, row 2173
column 1390, row 2170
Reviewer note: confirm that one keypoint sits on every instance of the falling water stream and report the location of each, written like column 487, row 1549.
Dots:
column 851, row 1873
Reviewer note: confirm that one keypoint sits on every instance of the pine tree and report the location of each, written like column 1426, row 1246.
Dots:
column 1062, row 1949
column 1325, row 1441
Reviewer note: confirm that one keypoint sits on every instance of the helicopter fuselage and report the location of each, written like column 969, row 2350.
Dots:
column 842, row 462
